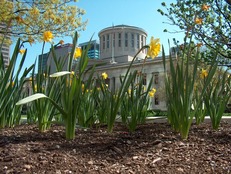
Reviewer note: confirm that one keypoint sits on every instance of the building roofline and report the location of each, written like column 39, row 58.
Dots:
column 86, row 43
column 122, row 27
column 127, row 64
column 64, row 46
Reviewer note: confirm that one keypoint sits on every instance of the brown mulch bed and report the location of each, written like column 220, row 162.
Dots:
column 152, row 148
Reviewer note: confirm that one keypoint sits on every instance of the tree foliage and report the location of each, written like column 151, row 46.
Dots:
column 29, row 19
column 211, row 21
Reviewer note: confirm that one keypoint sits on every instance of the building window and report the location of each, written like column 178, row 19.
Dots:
column 142, row 43
column 126, row 39
column 103, row 42
column 113, row 83
column 133, row 43
column 108, row 42
column 156, row 100
column 156, row 78
column 144, row 79
column 145, row 50
column 138, row 41
column 119, row 40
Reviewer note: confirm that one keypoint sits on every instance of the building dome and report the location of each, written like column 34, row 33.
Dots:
column 121, row 42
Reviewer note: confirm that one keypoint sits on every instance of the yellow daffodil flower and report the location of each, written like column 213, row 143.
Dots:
column 104, row 75
column 77, row 53
column 154, row 48
column 204, row 73
column 47, row 36
column 22, row 51
column 152, row 92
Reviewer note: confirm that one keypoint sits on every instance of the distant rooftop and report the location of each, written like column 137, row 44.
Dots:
column 64, row 46
column 86, row 43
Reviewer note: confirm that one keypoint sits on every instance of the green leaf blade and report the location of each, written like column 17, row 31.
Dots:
column 31, row 98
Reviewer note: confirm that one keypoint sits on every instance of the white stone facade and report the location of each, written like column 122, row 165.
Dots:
column 118, row 46
column 151, row 68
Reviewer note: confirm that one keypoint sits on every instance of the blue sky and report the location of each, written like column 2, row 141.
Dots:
column 105, row 13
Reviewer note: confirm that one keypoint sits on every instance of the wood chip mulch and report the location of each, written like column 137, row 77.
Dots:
column 152, row 148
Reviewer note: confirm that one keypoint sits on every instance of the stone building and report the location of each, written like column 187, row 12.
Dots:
column 120, row 43
column 117, row 47
column 151, row 68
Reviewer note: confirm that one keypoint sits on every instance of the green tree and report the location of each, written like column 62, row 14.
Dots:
column 211, row 18
column 29, row 19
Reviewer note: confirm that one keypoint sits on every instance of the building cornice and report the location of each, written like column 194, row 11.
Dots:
column 139, row 63
column 121, row 27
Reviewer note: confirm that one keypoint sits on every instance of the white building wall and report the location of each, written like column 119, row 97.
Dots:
column 150, row 68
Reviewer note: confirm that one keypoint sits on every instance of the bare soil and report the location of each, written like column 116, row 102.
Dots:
column 152, row 148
